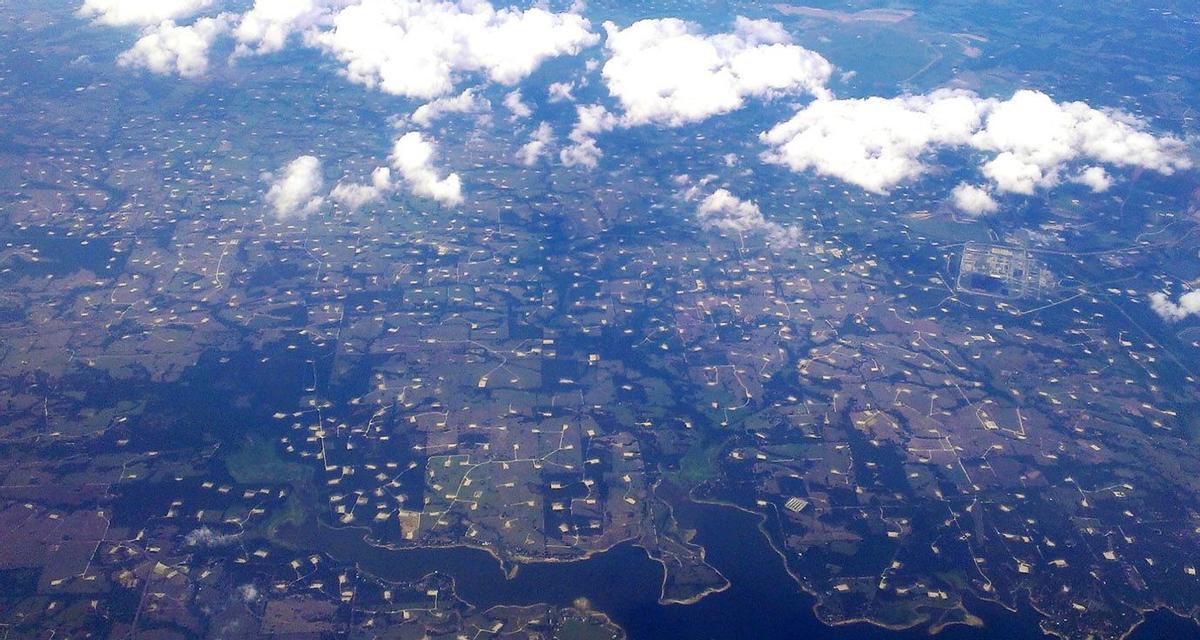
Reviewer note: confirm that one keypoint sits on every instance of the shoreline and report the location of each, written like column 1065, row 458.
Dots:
column 512, row 566
column 934, row 629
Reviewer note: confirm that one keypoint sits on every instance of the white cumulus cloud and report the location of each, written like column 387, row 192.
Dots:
column 265, row 28
column 875, row 143
column 249, row 592
column 294, row 194
column 412, row 157
column 1035, row 139
column 466, row 102
column 1174, row 311
column 723, row 211
column 533, row 150
column 593, row 119
column 354, row 196
column 516, row 104
column 560, row 91
column 169, row 48
column 206, row 537
column 140, row 12
column 420, row 49
column 412, row 48
column 666, row 71
column 1029, row 142
column 1095, row 178
column 974, row 200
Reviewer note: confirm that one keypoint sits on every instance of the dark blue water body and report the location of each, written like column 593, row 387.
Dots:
column 763, row 601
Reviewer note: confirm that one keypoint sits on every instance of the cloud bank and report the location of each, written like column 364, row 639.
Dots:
column 664, row 72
